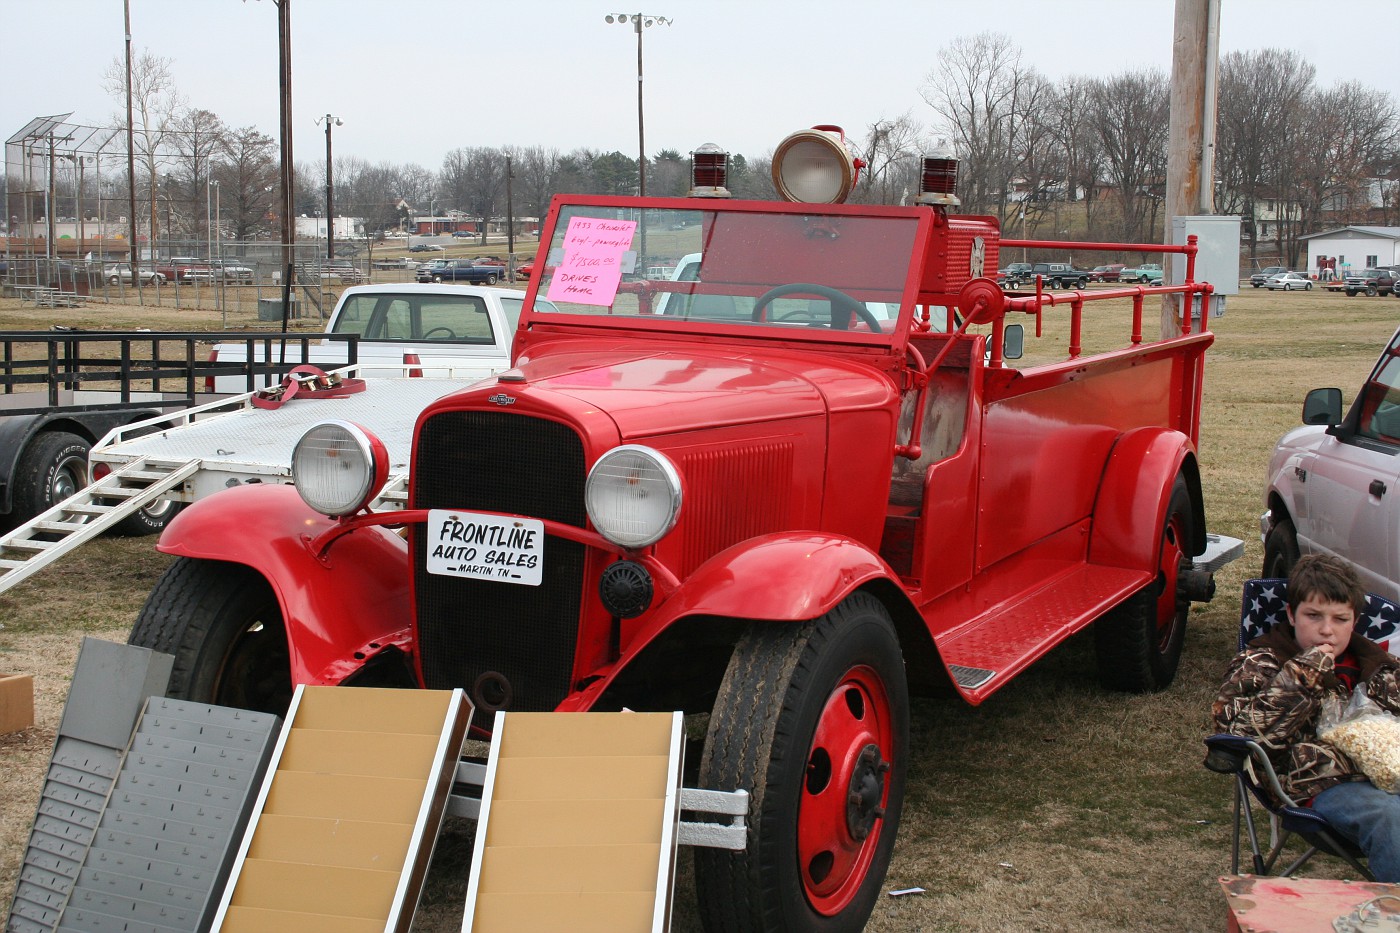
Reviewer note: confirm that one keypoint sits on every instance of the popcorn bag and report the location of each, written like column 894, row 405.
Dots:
column 1367, row 734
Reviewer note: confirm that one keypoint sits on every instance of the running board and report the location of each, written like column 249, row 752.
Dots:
column 986, row 652
column 86, row 514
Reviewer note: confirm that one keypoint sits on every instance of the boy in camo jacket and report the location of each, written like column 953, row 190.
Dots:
column 1273, row 693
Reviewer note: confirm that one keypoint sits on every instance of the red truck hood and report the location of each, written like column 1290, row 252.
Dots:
column 682, row 389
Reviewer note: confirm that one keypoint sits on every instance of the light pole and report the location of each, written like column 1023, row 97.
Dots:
column 639, row 21
column 209, row 216
column 330, row 187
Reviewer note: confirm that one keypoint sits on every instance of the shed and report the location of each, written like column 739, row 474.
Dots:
column 1354, row 248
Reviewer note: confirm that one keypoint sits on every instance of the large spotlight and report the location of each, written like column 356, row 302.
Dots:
column 815, row 166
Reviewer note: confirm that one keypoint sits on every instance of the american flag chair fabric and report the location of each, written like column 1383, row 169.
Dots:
column 1265, row 602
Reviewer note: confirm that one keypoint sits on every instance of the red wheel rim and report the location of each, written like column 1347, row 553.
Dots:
column 1169, row 608
column 845, row 790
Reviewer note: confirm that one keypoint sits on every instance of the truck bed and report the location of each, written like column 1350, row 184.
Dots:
column 254, row 445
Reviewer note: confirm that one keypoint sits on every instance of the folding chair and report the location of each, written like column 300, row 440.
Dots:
column 1264, row 606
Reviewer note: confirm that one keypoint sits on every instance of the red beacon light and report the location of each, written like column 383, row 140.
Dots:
column 816, row 166
column 938, row 180
column 709, row 172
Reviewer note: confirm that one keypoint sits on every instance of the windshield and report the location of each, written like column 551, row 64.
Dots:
column 833, row 272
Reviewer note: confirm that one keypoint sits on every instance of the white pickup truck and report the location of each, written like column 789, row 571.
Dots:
column 461, row 331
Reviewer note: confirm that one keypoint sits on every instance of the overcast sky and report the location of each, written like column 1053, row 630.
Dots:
column 412, row 79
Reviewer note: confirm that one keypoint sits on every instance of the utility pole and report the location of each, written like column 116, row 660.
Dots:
column 289, row 229
column 330, row 187
column 131, row 167
column 1191, row 139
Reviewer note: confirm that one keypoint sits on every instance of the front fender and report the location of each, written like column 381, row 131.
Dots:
column 1132, row 502
column 339, row 609
column 772, row 578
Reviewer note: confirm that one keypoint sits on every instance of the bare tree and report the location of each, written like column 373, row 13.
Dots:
column 976, row 90
column 475, row 180
column 1070, row 119
column 1351, row 136
column 1131, row 114
column 155, row 103
column 891, row 150
column 535, row 168
column 196, row 137
column 248, row 173
column 1261, row 100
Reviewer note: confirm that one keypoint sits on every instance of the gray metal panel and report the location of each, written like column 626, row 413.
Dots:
column 110, row 684
column 167, row 836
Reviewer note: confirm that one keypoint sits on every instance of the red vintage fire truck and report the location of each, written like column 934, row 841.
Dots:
column 787, row 483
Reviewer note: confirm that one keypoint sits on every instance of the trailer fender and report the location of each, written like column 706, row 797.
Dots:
column 1133, row 497
column 772, row 578
column 338, row 609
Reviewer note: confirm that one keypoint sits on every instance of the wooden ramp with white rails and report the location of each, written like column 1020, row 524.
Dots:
column 347, row 817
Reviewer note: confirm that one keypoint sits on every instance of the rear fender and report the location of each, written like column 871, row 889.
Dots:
column 1133, row 498
column 340, row 609
column 773, row 578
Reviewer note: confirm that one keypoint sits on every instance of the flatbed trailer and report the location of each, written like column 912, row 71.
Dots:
column 195, row 452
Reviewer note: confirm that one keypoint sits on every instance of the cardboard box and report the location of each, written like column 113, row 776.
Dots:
column 16, row 702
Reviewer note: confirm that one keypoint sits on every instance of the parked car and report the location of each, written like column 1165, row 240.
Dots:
column 1378, row 281
column 524, row 270
column 462, row 234
column 232, row 270
column 120, row 274
column 1334, row 483
column 1288, row 281
column 185, row 269
column 426, row 248
column 1258, row 279
column 1149, row 273
column 459, row 270
column 1112, row 272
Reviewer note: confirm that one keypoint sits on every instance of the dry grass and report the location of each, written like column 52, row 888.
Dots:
column 1054, row 806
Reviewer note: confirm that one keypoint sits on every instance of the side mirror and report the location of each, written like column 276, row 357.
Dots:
column 1013, row 342
column 1323, row 406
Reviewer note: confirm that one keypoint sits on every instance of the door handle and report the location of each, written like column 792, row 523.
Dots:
column 1377, row 488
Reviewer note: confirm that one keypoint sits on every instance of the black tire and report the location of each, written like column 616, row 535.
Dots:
column 490, row 280
column 1138, row 643
column 51, row 468
column 1307, row 287
column 148, row 521
column 1280, row 549
column 1256, row 284
column 845, row 674
column 1351, row 292
column 222, row 623
column 1370, row 291
column 437, row 278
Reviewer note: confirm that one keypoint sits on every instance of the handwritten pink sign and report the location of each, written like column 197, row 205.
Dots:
column 592, row 266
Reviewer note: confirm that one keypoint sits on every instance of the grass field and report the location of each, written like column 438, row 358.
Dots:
column 1055, row 806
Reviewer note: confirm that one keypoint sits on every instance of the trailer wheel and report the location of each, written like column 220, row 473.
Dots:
column 148, row 521
column 1138, row 643
column 222, row 623
column 1280, row 549
column 52, row 468
column 812, row 720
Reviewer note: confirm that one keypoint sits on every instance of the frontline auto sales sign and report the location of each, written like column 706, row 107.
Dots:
column 485, row 547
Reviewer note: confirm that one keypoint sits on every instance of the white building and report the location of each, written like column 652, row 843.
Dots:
column 312, row 228
column 1354, row 248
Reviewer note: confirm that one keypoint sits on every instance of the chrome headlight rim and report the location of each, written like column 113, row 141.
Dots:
column 672, row 480
column 362, row 489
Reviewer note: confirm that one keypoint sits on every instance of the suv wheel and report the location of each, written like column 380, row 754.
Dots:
column 1370, row 291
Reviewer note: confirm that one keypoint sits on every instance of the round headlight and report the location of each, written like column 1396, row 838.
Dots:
column 633, row 496
column 815, row 166
column 338, row 467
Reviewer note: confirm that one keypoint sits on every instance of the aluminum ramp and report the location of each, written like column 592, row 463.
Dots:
column 110, row 684
column 86, row 514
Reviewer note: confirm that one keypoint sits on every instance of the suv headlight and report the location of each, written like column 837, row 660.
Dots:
column 338, row 467
column 633, row 496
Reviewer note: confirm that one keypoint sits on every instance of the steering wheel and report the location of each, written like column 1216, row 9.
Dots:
column 451, row 334
column 835, row 296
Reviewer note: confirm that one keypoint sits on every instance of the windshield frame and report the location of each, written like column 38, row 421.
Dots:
column 552, row 233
